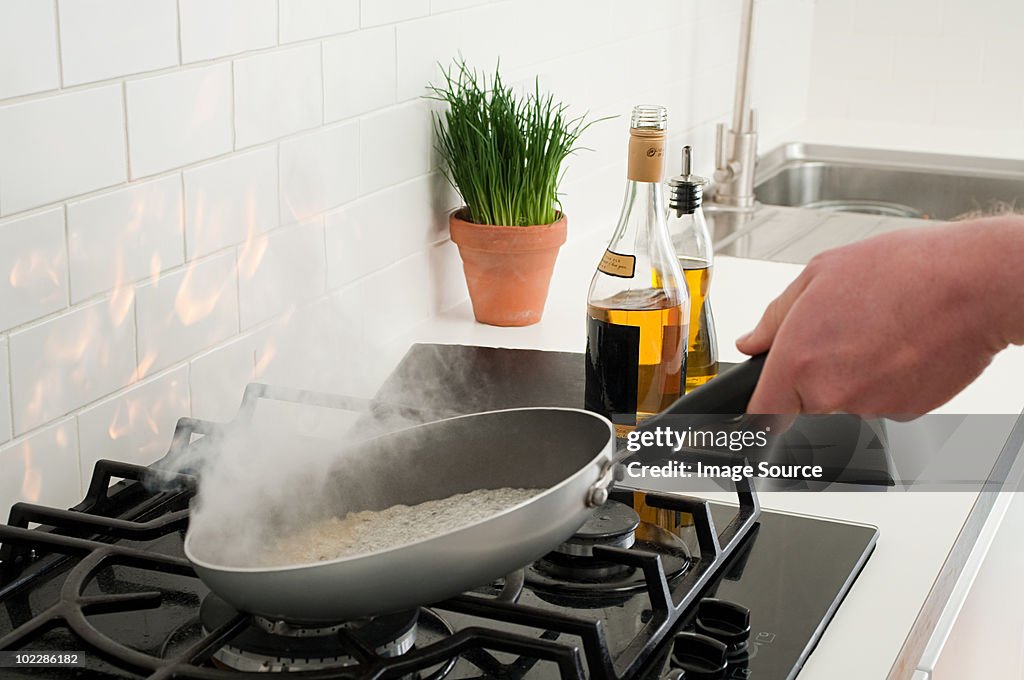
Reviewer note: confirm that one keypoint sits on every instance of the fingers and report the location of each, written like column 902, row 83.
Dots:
column 760, row 339
column 775, row 392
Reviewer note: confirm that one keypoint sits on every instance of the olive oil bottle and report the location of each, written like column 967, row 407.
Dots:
column 638, row 308
column 692, row 244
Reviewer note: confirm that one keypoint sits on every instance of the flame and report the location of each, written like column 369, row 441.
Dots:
column 124, row 293
column 142, row 368
column 155, row 267
column 255, row 247
column 190, row 307
column 33, row 266
column 32, row 479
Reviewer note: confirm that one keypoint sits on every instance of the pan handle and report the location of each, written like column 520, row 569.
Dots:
column 729, row 393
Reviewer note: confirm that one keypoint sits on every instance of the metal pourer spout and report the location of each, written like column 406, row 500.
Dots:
column 686, row 191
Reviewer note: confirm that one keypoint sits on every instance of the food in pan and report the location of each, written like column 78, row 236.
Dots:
column 370, row 531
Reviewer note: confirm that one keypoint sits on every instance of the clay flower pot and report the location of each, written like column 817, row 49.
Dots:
column 507, row 269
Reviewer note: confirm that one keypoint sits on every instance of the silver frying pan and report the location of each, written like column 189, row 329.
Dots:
column 568, row 453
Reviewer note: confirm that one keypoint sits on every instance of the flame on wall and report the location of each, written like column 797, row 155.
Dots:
column 32, row 478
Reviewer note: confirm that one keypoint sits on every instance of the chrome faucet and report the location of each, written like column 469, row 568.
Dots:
column 736, row 148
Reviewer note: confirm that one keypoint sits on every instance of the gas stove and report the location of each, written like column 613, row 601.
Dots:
column 648, row 588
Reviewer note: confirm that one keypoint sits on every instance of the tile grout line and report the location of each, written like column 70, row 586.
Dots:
column 177, row 19
column 124, row 115
column 60, row 52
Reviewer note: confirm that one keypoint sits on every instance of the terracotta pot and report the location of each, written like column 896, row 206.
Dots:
column 507, row 269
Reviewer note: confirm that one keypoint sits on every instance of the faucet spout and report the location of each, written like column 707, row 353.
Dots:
column 736, row 148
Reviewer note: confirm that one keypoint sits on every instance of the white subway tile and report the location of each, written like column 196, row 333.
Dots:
column 230, row 200
column 33, row 268
column 377, row 12
column 395, row 300
column 439, row 6
column 214, row 28
column 102, row 39
column 277, row 93
column 217, row 378
column 319, row 171
column 187, row 311
column 73, row 359
column 425, row 43
column 280, row 271
column 28, row 47
column 179, row 118
column 362, row 238
column 5, row 393
column 124, row 236
column 60, row 146
column 395, row 145
column 359, row 72
column 136, row 425
column 302, row 19
column 41, row 468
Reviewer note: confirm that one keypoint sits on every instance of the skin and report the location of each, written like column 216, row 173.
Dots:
column 894, row 325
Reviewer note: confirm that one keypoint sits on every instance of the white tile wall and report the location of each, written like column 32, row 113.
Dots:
column 214, row 28
column 218, row 377
column 228, row 201
column 28, row 47
column 376, row 12
column 33, row 267
column 302, row 19
column 280, row 271
column 319, row 171
column 102, row 39
column 136, row 425
column 954, row 63
column 349, row 87
column 362, row 238
column 56, row 147
column 61, row 364
column 185, row 312
column 5, row 393
column 179, row 118
column 123, row 236
column 277, row 93
column 42, row 467
column 216, row 164
column 395, row 144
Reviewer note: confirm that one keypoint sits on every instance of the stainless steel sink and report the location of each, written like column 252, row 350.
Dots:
column 812, row 198
column 889, row 183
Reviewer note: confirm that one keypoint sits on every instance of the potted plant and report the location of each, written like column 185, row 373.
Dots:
column 503, row 153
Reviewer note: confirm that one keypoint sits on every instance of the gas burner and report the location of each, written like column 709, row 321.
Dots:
column 278, row 646
column 558, row 574
column 613, row 524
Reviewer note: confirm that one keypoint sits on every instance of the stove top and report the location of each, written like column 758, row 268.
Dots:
column 646, row 589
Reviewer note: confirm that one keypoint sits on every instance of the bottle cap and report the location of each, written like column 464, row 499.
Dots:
column 686, row 191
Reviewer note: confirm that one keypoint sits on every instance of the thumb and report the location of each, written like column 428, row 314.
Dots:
column 760, row 339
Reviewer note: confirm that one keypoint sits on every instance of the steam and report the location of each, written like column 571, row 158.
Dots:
column 274, row 470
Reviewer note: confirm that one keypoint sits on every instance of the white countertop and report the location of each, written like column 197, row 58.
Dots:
column 917, row 530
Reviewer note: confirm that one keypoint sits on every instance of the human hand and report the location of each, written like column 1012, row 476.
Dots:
column 893, row 325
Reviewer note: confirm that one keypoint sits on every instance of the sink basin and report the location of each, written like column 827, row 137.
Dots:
column 889, row 183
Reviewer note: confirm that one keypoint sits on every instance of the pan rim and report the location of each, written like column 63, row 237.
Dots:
column 603, row 453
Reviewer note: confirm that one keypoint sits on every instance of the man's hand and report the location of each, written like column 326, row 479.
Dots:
column 893, row 325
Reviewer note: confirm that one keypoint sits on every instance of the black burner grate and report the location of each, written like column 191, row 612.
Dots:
column 136, row 524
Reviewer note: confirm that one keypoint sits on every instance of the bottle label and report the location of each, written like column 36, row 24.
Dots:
column 616, row 264
column 612, row 371
column 646, row 156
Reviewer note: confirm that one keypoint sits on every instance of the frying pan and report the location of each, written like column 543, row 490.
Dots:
column 569, row 453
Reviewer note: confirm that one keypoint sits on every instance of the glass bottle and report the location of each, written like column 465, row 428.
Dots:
column 692, row 243
column 638, row 305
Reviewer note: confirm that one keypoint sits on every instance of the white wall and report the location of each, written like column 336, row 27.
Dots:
column 184, row 182
column 954, row 64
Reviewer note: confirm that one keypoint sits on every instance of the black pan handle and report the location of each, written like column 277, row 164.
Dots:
column 729, row 393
